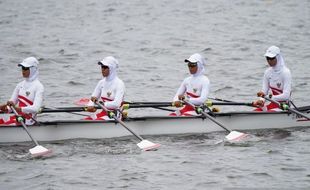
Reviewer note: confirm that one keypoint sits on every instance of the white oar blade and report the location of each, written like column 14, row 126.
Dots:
column 235, row 136
column 39, row 151
column 147, row 145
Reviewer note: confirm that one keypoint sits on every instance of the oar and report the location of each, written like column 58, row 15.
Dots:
column 146, row 105
column 156, row 105
column 144, row 144
column 134, row 102
column 38, row 150
column 167, row 104
column 229, row 102
column 83, row 109
column 159, row 105
column 210, row 103
column 63, row 109
column 287, row 108
column 232, row 136
column 219, row 99
column 84, row 101
column 70, row 110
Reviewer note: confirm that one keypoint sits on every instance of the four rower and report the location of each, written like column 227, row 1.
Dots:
column 27, row 97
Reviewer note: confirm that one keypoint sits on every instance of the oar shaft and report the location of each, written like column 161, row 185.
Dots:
column 158, row 105
column 219, row 99
column 131, row 131
column 120, row 121
column 209, row 117
column 215, row 121
column 229, row 102
column 290, row 109
column 145, row 105
column 24, row 126
column 232, row 103
column 131, row 102
column 167, row 104
column 62, row 109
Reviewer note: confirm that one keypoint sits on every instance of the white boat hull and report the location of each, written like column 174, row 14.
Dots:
column 62, row 130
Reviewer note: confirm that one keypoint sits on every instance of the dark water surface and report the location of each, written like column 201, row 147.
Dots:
column 151, row 39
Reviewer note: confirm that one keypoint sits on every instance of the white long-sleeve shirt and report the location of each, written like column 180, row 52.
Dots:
column 196, row 88
column 279, row 83
column 112, row 92
column 29, row 96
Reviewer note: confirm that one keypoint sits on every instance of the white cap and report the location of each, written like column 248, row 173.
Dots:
column 272, row 51
column 109, row 61
column 193, row 58
column 29, row 62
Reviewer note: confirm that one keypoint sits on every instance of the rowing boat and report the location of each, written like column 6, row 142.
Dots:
column 154, row 125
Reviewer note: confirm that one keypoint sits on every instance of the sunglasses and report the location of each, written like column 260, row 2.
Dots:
column 192, row 64
column 270, row 58
column 25, row 68
column 104, row 67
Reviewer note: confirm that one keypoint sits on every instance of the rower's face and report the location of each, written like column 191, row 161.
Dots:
column 105, row 70
column 192, row 68
column 25, row 72
column 271, row 61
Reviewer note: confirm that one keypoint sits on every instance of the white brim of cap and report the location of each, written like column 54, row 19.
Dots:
column 24, row 64
column 103, row 63
column 190, row 60
column 268, row 54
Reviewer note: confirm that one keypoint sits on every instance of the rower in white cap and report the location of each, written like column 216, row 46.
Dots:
column 276, row 81
column 27, row 97
column 110, row 90
column 194, row 89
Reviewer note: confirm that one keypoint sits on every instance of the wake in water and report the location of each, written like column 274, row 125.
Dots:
column 127, row 145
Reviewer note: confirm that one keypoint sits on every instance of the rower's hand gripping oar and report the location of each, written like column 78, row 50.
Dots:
column 286, row 107
column 232, row 136
column 144, row 144
column 38, row 150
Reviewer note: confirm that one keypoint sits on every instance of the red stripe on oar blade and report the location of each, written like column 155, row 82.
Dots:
column 154, row 147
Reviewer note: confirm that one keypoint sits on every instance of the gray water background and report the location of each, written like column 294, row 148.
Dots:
column 151, row 39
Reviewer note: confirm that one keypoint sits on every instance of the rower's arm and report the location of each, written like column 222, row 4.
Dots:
column 180, row 91
column 265, row 87
column 14, row 97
